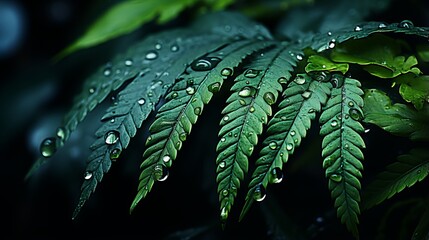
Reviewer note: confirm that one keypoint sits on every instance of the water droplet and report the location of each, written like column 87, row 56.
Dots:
column 226, row 72
column 299, row 57
column 355, row 114
column 48, row 147
column 334, row 123
column 183, row 136
column 197, row 111
column 112, row 120
column 174, row 48
column 226, row 118
column 272, row 145
column 214, row 87
column 247, row 91
column 251, row 109
column 174, row 95
column 289, row 146
column 327, row 162
column 251, row 73
column 282, row 80
column 351, row 104
column 158, row 46
column 87, row 175
column 141, row 101
column 61, row 133
column 382, row 25
column 311, row 110
column 111, row 137
column 329, row 33
column 259, row 193
column 91, row 90
column 306, row 94
column 331, row 44
column 107, row 72
column 151, row 55
column 337, row 80
column 160, row 172
column 299, row 79
column 128, row 62
column 320, row 76
column 223, row 139
column 276, row 175
column 336, row 177
column 190, row 90
column 223, row 214
column 358, row 28
column 114, row 154
column 406, row 24
column 292, row 133
column 225, row 192
column 222, row 164
column 367, row 130
column 166, row 158
column 269, row 98
column 242, row 102
column 205, row 63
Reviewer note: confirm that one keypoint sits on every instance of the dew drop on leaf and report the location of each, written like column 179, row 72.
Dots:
column 292, row 133
column 223, row 139
column 289, row 146
column 225, row 192
column 358, row 28
column 174, row 48
column 336, row 177
column 334, row 123
column 299, row 57
column 276, row 175
column 141, row 101
column 327, row 162
column 337, row 80
column 222, row 164
column 272, row 145
column 331, row 44
column 251, row 109
column 226, row 72
column 166, row 158
column 128, row 62
column 61, row 133
column 351, row 104
column 151, row 55
column 321, row 76
column 111, row 137
column 174, row 95
column 282, row 80
column 160, row 172
column 114, row 154
column 91, row 90
column 107, row 72
column 311, row 110
column 269, row 98
column 223, row 214
column 247, row 92
column 48, row 147
column 87, row 175
column 259, row 193
column 214, row 87
column 190, row 90
column 355, row 114
column 299, row 79
column 382, row 25
column 406, row 24
column 205, row 63
column 197, row 111
column 306, row 94
column 226, row 118
column 251, row 73
column 158, row 46
column 183, row 136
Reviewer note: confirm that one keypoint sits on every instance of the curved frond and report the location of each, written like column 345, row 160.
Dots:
column 175, row 118
column 303, row 97
column 407, row 171
column 341, row 148
column 247, row 111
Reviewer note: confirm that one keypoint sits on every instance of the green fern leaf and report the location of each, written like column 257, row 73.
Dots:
column 341, row 149
column 407, row 171
column 398, row 119
column 303, row 98
column 186, row 101
column 247, row 111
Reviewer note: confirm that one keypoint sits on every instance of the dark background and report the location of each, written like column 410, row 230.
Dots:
column 36, row 92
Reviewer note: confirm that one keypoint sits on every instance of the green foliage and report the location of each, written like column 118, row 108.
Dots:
column 181, row 70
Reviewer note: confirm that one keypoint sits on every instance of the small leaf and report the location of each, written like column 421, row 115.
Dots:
column 318, row 63
column 423, row 52
column 125, row 17
column 398, row 119
column 407, row 171
column 414, row 89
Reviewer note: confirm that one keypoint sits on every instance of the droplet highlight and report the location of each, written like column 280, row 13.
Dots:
column 276, row 175
column 48, row 147
column 259, row 194
column 160, row 172
column 111, row 137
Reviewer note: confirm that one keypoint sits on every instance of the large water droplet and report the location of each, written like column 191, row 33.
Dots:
column 160, row 172
column 276, row 175
column 166, row 158
column 337, row 80
column 114, row 154
column 247, row 91
column 111, row 137
column 406, row 24
column 214, row 87
column 190, row 90
column 87, row 175
column 272, row 145
column 355, row 114
column 48, row 147
column 289, row 146
column 299, row 79
column 205, row 63
column 141, row 101
column 269, row 98
column 151, row 55
column 226, row 72
column 336, row 177
column 259, row 193
column 251, row 73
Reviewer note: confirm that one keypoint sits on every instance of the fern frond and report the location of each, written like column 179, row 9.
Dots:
column 407, row 171
column 247, row 111
column 186, row 101
column 303, row 97
column 341, row 148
